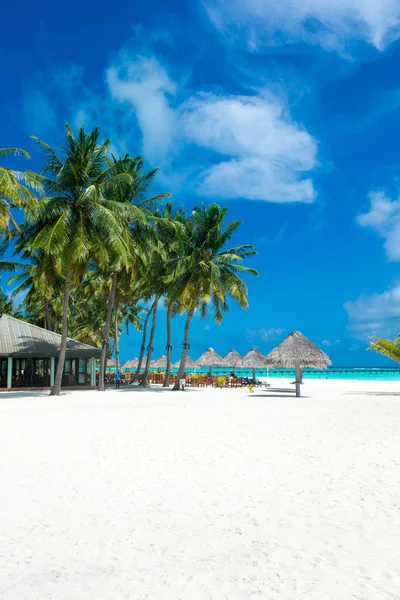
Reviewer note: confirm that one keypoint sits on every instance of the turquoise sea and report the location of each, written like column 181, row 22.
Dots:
column 372, row 373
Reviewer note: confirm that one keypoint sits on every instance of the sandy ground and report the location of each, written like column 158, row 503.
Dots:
column 202, row 495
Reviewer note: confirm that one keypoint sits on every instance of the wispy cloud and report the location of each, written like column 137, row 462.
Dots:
column 145, row 88
column 328, row 343
column 265, row 334
column 375, row 314
column 384, row 218
column 247, row 146
column 334, row 25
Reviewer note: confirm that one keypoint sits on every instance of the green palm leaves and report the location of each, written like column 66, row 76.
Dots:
column 388, row 348
column 16, row 190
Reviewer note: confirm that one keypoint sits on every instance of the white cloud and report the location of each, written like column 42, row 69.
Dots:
column 270, row 155
column 375, row 314
column 251, row 146
column 145, row 86
column 332, row 24
column 265, row 334
column 223, row 146
column 384, row 218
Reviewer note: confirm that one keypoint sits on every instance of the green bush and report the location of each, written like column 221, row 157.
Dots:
column 221, row 381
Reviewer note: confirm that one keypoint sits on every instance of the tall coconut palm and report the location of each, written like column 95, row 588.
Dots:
column 206, row 271
column 128, row 185
column 76, row 222
column 389, row 348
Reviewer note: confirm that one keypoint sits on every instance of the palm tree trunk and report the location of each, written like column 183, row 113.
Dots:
column 142, row 348
column 169, row 348
column 116, row 339
column 106, row 335
column 150, row 346
column 47, row 315
column 55, row 391
column 182, row 365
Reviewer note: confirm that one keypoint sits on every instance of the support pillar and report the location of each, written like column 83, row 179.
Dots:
column 52, row 370
column 93, row 372
column 9, row 372
column 299, row 380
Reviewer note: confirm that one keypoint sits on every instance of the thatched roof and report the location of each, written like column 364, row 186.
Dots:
column 253, row 360
column 233, row 358
column 190, row 364
column 133, row 363
column 161, row 363
column 127, row 365
column 298, row 350
column 111, row 362
column 21, row 339
column 211, row 359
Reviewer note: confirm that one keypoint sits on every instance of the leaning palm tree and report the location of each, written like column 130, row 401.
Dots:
column 16, row 190
column 75, row 222
column 389, row 348
column 206, row 271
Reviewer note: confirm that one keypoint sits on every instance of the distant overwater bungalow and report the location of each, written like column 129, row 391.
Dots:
column 28, row 357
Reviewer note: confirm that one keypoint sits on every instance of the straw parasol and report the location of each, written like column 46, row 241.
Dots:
column 190, row 364
column 111, row 363
column 299, row 352
column 253, row 360
column 233, row 359
column 211, row 359
column 161, row 363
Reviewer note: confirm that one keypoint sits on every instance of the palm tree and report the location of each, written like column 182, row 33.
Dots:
column 127, row 187
column 15, row 191
column 206, row 271
column 76, row 222
column 389, row 348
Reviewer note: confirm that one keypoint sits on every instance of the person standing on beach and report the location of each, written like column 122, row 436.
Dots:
column 118, row 379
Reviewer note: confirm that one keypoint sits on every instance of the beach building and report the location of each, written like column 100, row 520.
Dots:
column 28, row 357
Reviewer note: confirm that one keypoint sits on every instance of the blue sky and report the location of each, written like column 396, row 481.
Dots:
column 287, row 112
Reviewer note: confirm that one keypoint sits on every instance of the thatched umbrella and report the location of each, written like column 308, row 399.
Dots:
column 111, row 362
column 211, row 359
column 161, row 363
column 233, row 359
column 253, row 360
column 299, row 352
column 190, row 364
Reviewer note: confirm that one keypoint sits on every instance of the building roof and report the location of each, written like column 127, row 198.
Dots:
column 22, row 340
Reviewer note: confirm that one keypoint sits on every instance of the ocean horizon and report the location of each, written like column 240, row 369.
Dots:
column 365, row 373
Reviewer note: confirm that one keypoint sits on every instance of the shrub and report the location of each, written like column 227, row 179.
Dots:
column 221, row 382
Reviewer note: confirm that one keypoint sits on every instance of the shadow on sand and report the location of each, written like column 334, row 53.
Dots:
column 371, row 394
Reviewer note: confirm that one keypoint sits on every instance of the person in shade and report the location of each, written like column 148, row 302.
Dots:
column 27, row 375
column 118, row 379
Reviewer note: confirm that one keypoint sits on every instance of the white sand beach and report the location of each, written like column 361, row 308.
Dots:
column 202, row 495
